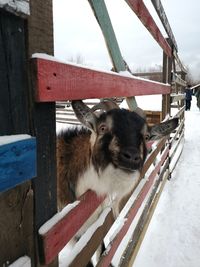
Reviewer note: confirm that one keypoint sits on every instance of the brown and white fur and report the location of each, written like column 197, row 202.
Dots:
column 105, row 156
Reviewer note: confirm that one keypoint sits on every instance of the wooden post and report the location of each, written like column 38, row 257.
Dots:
column 40, row 39
column 167, row 68
column 167, row 78
column 183, row 76
column 26, row 207
column 16, row 205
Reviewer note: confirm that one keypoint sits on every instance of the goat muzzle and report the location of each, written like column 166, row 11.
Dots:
column 130, row 159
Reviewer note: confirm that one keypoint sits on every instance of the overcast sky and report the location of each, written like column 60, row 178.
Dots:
column 76, row 33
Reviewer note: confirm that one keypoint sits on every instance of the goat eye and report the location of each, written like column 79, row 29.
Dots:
column 147, row 137
column 102, row 128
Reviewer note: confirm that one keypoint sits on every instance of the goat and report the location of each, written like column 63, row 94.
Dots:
column 107, row 155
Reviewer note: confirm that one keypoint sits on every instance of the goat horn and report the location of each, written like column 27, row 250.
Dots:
column 105, row 105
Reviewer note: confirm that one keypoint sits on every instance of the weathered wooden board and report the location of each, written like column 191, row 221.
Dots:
column 102, row 16
column 152, row 156
column 180, row 64
column 40, row 38
column 177, row 97
column 143, row 14
column 82, row 259
column 58, row 81
column 16, row 205
column 13, row 76
column 163, row 17
column 132, row 249
column 18, row 163
column 52, row 241
column 108, row 255
column 167, row 69
column 177, row 79
column 179, row 130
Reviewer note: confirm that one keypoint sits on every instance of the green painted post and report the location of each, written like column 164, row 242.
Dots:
column 102, row 16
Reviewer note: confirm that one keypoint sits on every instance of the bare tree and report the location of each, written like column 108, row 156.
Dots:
column 78, row 58
column 153, row 73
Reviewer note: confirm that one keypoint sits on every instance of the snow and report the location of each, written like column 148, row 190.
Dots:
column 195, row 86
column 119, row 222
column 7, row 139
column 126, row 239
column 176, row 155
column 65, row 258
column 150, row 102
column 22, row 262
column 172, row 239
column 128, row 74
column 47, row 57
column 57, row 217
column 52, row 58
column 21, row 6
column 146, row 102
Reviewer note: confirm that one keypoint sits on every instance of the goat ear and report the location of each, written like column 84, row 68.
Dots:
column 84, row 114
column 162, row 129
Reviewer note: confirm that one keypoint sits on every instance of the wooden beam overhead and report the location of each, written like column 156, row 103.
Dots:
column 163, row 17
column 58, row 81
column 145, row 17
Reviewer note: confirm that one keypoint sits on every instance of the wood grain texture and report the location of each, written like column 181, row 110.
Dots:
column 40, row 39
column 13, row 76
column 87, row 252
column 143, row 223
column 163, row 17
column 143, row 14
column 153, row 155
column 60, row 234
column 102, row 16
column 107, row 257
column 18, row 163
column 16, row 205
column 58, row 81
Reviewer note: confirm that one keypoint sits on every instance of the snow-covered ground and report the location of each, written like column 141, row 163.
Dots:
column 173, row 236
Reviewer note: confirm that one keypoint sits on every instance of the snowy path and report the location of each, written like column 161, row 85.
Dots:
column 173, row 236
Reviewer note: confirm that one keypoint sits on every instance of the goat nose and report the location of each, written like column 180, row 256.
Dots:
column 136, row 158
column 132, row 157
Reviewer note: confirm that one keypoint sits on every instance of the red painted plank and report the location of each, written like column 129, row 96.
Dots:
column 145, row 17
column 58, row 81
column 61, row 233
column 106, row 260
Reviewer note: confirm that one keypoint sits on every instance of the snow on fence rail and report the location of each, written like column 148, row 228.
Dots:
column 58, row 81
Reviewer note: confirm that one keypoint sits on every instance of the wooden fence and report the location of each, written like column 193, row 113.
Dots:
column 48, row 82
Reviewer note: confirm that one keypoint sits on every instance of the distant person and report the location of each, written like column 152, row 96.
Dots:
column 188, row 97
column 197, row 94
